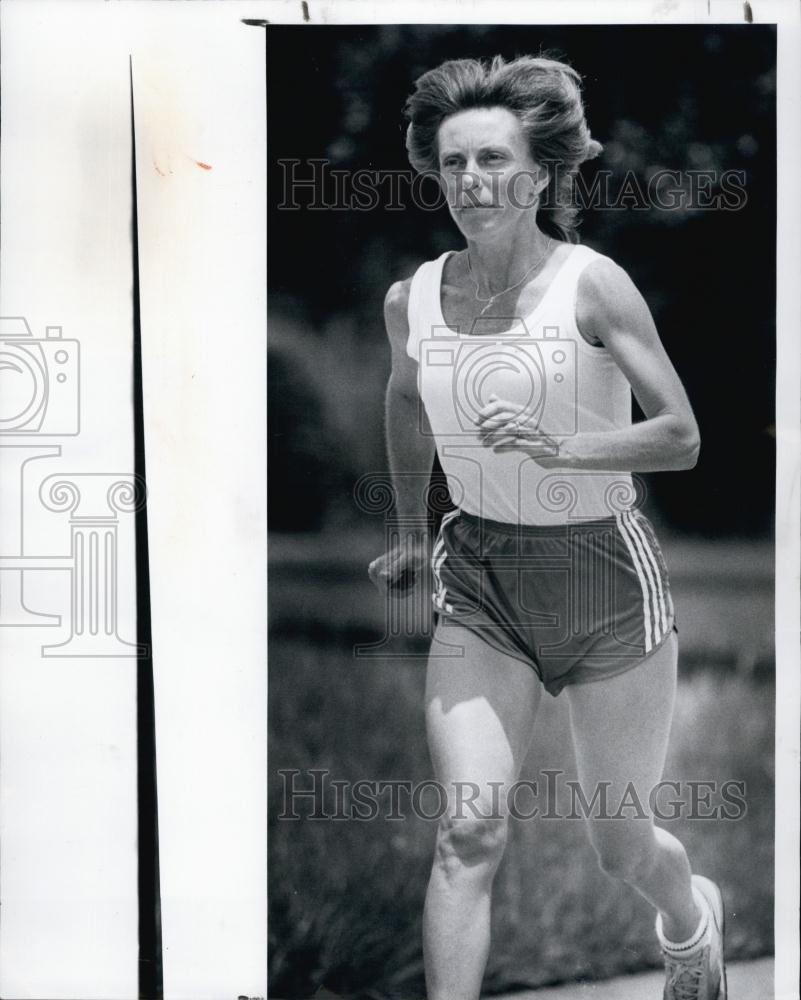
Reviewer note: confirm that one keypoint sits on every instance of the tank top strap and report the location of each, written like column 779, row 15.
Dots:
column 565, row 282
column 424, row 308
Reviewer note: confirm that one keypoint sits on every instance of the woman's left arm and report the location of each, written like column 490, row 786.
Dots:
column 610, row 310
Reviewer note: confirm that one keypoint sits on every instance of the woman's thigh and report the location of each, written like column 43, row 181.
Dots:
column 620, row 729
column 480, row 711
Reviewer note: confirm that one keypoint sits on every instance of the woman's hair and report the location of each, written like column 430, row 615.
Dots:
column 544, row 93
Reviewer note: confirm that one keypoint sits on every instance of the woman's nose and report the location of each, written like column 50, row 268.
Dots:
column 472, row 176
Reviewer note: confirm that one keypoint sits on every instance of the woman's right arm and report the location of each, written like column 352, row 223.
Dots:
column 410, row 446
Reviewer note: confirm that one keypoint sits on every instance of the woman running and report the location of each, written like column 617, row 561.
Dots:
column 524, row 348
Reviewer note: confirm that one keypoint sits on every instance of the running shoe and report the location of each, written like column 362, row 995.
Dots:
column 703, row 976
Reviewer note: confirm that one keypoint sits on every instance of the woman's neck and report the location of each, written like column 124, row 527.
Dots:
column 499, row 261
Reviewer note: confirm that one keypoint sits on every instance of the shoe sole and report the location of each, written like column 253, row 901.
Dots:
column 723, row 989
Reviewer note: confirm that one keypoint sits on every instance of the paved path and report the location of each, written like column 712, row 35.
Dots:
column 747, row 981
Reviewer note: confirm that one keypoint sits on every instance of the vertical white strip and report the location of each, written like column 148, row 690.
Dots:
column 441, row 593
column 437, row 561
column 788, row 502
column 199, row 87
column 639, row 531
column 67, row 722
column 649, row 570
column 646, row 595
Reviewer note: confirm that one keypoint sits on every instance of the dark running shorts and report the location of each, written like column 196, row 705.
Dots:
column 577, row 602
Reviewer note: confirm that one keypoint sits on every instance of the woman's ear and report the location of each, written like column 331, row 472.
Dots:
column 543, row 180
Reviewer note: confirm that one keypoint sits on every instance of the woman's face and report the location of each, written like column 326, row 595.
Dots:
column 487, row 170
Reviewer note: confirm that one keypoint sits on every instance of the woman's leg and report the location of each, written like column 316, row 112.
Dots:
column 480, row 710
column 620, row 733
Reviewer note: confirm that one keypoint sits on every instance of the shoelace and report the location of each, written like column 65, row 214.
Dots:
column 684, row 980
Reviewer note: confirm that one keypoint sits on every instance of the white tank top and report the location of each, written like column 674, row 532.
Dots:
column 540, row 362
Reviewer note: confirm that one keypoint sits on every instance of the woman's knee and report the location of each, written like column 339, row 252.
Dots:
column 470, row 841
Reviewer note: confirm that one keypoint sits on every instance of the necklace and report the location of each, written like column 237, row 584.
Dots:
column 497, row 295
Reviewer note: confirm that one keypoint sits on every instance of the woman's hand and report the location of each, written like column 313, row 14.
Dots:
column 504, row 426
column 397, row 570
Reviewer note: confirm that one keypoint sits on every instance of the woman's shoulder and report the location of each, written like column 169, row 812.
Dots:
column 605, row 294
column 396, row 300
column 590, row 257
column 396, row 314
column 601, row 278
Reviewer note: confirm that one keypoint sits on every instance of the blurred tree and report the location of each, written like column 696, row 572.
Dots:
column 301, row 475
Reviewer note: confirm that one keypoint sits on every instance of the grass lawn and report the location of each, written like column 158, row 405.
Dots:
column 346, row 895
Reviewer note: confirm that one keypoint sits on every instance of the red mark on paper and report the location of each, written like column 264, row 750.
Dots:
column 204, row 166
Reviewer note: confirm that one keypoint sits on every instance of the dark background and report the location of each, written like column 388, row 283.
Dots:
column 672, row 97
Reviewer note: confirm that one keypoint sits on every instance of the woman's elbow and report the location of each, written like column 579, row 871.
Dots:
column 691, row 458
column 687, row 446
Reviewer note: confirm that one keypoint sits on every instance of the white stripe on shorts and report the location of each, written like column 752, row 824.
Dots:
column 439, row 544
column 642, row 577
column 638, row 528
column 437, row 560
